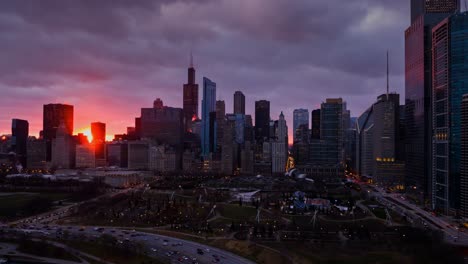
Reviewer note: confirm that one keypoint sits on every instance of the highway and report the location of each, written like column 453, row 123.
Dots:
column 416, row 215
column 171, row 249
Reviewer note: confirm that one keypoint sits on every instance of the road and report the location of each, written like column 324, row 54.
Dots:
column 452, row 233
column 174, row 250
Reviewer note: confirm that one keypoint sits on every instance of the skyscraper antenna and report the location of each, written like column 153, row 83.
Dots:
column 387, row 76
column 191, row 59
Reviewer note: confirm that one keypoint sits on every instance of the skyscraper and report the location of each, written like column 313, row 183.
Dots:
column 19, row 137
column 98, row 130
column 418, row 92
column 53, row 116
column 464, row 158
column 421, row 7
column 208, row 106
column 450, row 68
column 239, row 103
column 162, row 124
column 262, row 120
column 63, row 148
column 190, row 103
column 279, row 148
column 300, row 117
column 332, row 129
column 316, row 124
column 220, row 122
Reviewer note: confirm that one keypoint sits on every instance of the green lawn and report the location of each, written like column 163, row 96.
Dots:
column 17, row 205
column 237, row 212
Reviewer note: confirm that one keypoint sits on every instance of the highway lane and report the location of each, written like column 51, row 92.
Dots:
column 451, row 232
column 158, row 246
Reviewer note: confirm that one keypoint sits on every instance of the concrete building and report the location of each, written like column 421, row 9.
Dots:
column 63, row 149
column 138, row 155
column 117, row 154
column 85, row 156
column 36, row 154
column 279, row 147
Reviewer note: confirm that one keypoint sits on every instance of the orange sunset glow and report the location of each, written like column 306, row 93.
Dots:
column 87, row 132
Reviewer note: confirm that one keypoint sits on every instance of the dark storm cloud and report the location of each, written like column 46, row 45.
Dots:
column 115, row 53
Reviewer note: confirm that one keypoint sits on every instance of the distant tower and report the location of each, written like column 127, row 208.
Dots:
column 239, row 103
column 53, row 116
column 262, row 120
column 20, row 133
column 158, row 104
column 208, row 106
column 190, row 103
column 300, row 118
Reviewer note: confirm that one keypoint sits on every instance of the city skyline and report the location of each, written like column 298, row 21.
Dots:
column 96, row 82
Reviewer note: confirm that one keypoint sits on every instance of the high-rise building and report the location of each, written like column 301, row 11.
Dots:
column 19, row 137
column 208, row 106
column 418, row 92
column 239, row 103
column 262, row 120
column 228, row 160
column 117, row 154
column 63, row 149
column 98, row 130
column 421, row 7
column 53, row 116
column 190, row 103
column 36, row 154
column 138, row 155
column 220, row 120
column 300, row 117
column 364, row 143
column 332, row 129
column 378, row 141
column 315, row 124
column 279, row 147
column 85, row 156
column 450, row 68
column 464, row 158
column 164, row 125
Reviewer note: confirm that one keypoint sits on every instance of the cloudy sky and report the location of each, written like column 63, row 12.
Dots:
column 109, row 58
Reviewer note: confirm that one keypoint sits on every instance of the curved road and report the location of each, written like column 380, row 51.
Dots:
column 157, row 246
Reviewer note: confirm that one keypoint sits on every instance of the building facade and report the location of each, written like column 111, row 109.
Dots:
column 239, row 103
column 300, row 118
column 190, row 98
column 19, row 139
column 450, row 75
column 208, row 106
column 262, row 120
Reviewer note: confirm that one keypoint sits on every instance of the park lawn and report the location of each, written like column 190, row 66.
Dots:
column 26, row 204
column 236, row 212
column 45, row 250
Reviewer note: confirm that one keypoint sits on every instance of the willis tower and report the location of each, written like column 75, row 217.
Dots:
column 190, row 97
